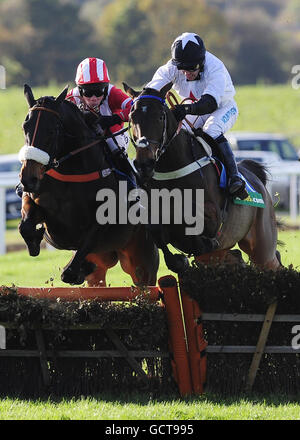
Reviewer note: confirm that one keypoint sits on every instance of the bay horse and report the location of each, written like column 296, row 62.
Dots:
column 170, row 158
column 64, row 165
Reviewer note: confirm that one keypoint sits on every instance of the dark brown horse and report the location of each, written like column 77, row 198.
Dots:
column 168, row 158
column 59, row 197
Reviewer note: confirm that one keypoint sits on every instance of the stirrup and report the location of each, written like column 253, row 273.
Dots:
column 237, row 188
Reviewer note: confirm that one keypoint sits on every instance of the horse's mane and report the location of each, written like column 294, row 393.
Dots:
column 68, row 104
column 70, row 112
column 148, row 90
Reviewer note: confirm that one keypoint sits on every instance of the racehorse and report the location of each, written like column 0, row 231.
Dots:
column 167, row 157
column 64, row 165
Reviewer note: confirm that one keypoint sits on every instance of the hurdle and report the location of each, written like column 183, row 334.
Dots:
column 186, row 353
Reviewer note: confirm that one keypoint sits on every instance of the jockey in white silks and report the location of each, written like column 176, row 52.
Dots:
column 203, row 78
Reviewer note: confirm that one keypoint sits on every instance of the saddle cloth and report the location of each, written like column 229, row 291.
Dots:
column 254, row 199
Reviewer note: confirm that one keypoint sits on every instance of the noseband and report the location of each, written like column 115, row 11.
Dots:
column 33, row 152
column 143, row 142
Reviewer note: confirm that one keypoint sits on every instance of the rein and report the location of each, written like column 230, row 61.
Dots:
column 56, row 163
column 171, row 98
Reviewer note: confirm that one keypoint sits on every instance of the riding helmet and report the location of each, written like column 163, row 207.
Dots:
column 188, row 52
column 92, row 72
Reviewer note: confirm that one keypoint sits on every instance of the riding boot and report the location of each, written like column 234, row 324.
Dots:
column 236, row 184
column 19, row 190
column 122, row 163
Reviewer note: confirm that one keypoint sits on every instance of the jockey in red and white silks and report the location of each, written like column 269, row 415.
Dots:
column 104, row 105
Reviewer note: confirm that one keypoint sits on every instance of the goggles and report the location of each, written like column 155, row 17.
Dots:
column 92, row 91
column 189, row 68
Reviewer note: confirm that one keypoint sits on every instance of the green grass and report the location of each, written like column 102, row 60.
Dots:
column 202, row 408
column 13, row 109
column 20, row 269
column 262, row 108
column 269, row 109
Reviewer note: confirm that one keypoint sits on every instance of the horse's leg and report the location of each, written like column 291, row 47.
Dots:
column 74, row 271
column 227, row 256
column 212, row 257
column 140, row 258
column 31, row 217
column 260, row 242
column 177, row 263
column 101, row 263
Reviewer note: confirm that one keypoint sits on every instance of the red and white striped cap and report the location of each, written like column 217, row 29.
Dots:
column 90, row 71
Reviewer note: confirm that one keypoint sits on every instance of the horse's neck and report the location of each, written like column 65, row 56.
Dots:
column 77, row 135
column 182, row 151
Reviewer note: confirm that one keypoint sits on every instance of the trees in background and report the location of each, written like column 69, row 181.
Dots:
column 43, row 41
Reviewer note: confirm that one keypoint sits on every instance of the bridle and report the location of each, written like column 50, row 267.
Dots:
column 53, row 161
column 146, row 143
column 40, row 109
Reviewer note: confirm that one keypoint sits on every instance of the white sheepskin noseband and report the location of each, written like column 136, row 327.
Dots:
column 32, row 153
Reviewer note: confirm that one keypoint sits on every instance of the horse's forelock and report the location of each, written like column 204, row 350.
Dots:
column 45, row 99
column 148, row 91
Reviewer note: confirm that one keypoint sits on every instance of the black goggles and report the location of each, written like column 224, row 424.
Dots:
column 189, row 68
column 89, row 92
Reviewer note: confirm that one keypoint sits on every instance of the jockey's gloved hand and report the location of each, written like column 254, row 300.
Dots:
column 207, row 104
column 90, row 117
column 180, row 112
column 109, row 121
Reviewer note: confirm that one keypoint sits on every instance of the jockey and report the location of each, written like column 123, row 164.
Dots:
column 105, row 108
column 200, row 76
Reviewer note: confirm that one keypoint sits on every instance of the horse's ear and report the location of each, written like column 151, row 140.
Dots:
column 62, row 96
column 129, row 90
column 29, row 96
column 163, row 91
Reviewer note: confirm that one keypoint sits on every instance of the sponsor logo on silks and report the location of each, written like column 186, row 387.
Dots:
column 228, row 114
column 254, row 199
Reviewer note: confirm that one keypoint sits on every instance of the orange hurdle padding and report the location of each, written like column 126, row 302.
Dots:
column 178, row 346
column 197, row 343
column 94, row 293
column 212, row 257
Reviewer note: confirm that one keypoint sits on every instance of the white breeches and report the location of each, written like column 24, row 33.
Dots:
column 217, row 123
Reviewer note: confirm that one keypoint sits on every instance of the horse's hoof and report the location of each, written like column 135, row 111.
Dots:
column 178, row 263
column 70, row 277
